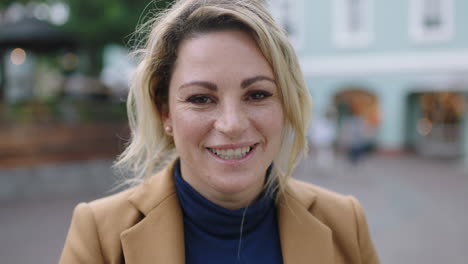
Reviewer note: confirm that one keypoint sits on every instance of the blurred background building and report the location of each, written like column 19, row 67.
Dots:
column 390, row 76
column 401, row 66
column 64, row 75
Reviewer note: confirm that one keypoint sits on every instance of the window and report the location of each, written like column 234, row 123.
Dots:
column 289, row 15
column 431, row 20
column 352, row 22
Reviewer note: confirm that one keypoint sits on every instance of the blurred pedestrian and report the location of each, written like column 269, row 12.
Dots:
column 322, row 135
column 358, row 136
column 219, row 86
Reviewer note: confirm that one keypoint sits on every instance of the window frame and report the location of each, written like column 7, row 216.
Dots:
column 296, row 17
column 342, row 37
column 417, row 29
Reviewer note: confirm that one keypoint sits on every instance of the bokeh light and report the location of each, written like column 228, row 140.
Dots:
column 60, row 13
column 18, row 56
column 424, row 126
column 42, row 11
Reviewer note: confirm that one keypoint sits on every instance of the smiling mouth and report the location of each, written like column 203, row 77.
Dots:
column 232, row 154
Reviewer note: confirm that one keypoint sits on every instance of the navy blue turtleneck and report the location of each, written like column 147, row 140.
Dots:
column 213, row 233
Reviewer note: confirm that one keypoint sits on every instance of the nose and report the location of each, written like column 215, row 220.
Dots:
column 232, row 120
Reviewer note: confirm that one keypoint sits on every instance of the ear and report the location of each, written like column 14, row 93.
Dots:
column 166, row 119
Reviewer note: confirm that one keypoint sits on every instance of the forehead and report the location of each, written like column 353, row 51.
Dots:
column 220, row 53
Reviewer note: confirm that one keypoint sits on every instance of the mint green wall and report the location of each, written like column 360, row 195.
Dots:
column 465, row 130
column 412, row 115
column 318, row 28
column 391, row 22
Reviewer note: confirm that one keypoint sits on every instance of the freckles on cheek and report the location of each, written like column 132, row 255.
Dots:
column 190, row 123
column 270, row 116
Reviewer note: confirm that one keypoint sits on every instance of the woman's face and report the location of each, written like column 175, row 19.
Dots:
column 226, row 116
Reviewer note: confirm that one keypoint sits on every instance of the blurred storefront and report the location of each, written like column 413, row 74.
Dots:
column 49, row 110
column 436, row 123
column 411, row 72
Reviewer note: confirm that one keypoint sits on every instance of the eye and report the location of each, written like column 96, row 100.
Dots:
column 258, row 95
column 200, row 99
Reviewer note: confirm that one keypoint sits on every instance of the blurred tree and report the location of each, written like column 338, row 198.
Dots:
column 96, row 23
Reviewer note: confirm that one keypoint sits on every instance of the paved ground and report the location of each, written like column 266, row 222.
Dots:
column 416, row 209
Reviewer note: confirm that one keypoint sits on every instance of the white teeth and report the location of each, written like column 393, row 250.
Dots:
column 231, row 154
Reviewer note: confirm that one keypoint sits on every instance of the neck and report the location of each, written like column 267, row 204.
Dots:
column 224, row 197
column 233, row 201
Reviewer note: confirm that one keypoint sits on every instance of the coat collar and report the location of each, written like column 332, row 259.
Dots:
column 159, row 236
column 304, row 239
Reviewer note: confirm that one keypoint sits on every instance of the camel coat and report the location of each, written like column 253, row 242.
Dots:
column 144, row 225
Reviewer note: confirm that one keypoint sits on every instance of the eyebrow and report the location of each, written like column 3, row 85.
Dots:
column 244, row 84
column 247, row 82
column 207, row 85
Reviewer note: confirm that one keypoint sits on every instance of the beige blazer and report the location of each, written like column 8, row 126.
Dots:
column 144, row 225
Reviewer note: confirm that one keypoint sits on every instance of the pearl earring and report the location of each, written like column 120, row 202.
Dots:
column 168, row 129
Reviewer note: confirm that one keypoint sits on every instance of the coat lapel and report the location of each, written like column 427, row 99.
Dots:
column 159, row 236
column 304, row 239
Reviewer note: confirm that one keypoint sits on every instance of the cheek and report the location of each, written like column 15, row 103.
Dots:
column 269, row 121
column 189, row 125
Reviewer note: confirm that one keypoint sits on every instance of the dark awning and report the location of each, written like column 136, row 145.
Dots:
column 35, row 35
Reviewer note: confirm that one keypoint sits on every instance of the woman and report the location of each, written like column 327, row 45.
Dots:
column 218, row 101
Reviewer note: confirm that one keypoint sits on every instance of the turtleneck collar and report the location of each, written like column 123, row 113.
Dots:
column 218, row 221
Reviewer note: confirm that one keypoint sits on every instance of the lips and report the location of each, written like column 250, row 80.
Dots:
column 232, row 153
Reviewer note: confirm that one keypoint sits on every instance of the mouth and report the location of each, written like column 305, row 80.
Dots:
column 232, row 153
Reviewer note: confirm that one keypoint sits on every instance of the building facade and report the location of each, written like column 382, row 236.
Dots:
column 402, row 65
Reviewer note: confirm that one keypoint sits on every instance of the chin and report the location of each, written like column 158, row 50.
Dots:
column 237, row 184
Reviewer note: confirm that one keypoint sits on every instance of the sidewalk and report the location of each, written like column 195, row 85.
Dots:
column 416, row 209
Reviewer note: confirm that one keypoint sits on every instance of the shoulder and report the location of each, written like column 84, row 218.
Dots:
column 328, row 206
column 315, row 196
column 94, row 233
column 96, row 228
column 113, row 204
column 343, row 215
column 113, row 214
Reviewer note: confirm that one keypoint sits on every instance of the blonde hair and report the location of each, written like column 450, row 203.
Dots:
column 150, row 148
